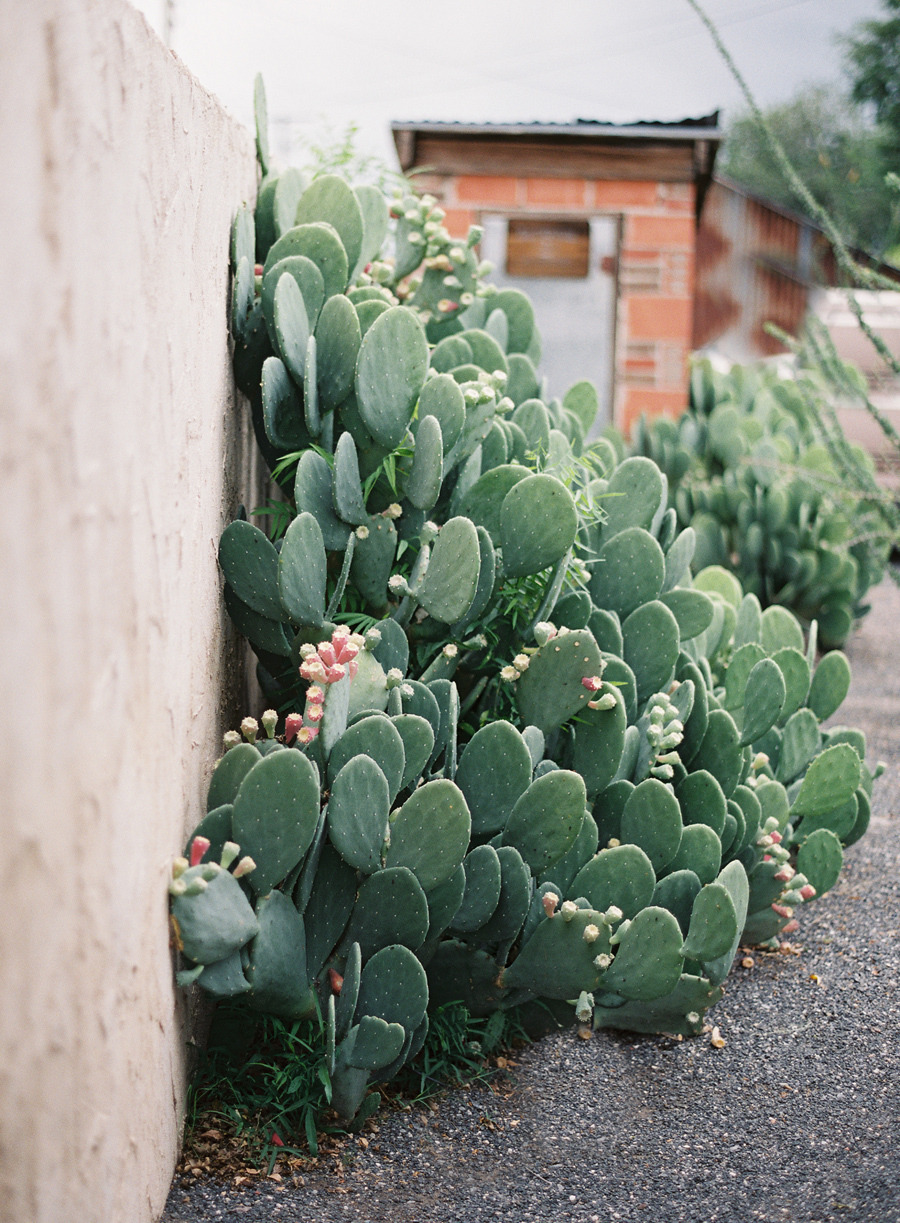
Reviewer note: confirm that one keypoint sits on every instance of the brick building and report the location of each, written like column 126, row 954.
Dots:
column 598, row 223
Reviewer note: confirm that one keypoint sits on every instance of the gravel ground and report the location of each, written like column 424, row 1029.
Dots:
column 793, row 1119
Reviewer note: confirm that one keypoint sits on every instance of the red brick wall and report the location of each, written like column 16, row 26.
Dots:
column 655, row 268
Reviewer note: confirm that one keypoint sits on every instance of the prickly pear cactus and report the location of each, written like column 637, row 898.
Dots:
column 522, row 744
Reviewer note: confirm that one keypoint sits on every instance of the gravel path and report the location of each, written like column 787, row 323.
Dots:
column 795, row 1119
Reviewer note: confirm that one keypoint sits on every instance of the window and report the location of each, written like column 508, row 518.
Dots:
column 553, row 248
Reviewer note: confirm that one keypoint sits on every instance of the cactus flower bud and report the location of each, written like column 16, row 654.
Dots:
column 776, row 837
column 607, row 701
column 591, row 933
column 307, row 650
column 394, row 677
column 446, row 306
column 327, row 653
column 372, row 638
column 509, row 674
column 179, row 866
column 407, row 690
column 194, row 888
column 230, row 851
column 244, row 867
column 313, row 669
column 230, row 739
column 269, row 720
column 315, row 713
column 783, row 910
column 335, row 673
column 521, row 661
column 568, row 909
column 550, row 900
column 807, row 891
column 760, row 760
column 584, row 1008
column 362, row 532
column 292, row 724
column 457, row 254
column 791, row 927
column 466, row 299
column 450, row 650
column 209, row 871
column 306, row 734
column 249, row 729
column 692, row 1017
column 177, row 887
column 593, row 683
column 315, row 695
column 613, row 914
column 785, row 874
column 199, row 846
column 544, row 632
column 397, row 584
column 602, row 961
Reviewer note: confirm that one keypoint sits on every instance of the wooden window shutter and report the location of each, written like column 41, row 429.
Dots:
column 552, row 248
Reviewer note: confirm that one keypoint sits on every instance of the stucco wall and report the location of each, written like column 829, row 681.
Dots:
column 119, row 175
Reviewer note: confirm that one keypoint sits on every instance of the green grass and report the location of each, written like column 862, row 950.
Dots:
column 264, row 1084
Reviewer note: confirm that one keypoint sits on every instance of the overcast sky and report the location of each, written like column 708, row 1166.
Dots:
column 332, row 62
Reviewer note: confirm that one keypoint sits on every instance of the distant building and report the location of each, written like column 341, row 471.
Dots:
column 598, row 223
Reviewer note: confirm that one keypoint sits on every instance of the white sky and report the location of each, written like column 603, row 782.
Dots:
column 328, row 63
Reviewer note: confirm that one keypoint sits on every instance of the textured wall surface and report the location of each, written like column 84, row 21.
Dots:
column 119, row 176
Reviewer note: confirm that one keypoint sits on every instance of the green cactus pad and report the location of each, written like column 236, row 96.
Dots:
column 519, row 316
column 282, row 410
column 581, row 851
column 390, row 373
column 820, row 859
column 558, row 961
column 830, row 781
column 692, row 996
column 515, row 897
column 423, row 485
column 748, row 626
column 292, row 329
column 375, row 1044
column 581, row 399
column 700, row 851
column 692, row 609
column 629, row 571
column 224, row 979
column 523, row 380
column 863, row 816
column 393, row 648
column 484, row 500
column 487, row 575
column 442, row 398
column 309, row 282
column 633, row 496
column 651, row 819
column 376, row 219
column 598, row 743
column 780, row 628
column 702, row 800
column 263, row 633
column 482, row 894
column 538, row 522
column 275, row 815
column 422, row 701
column 451, row 579
column 312, row 494
column 214, row 923
column 679, row 555
column 328, row 908
column 358, row 811
column 494, row 771
column 250, row 564
column 319, row 242
column 533, row 419
column 551, row 691
column 346, row 490
column 607, row 630
column 418, row 744
column 216, row 828
column 346, row 999
column 830, row 685
column 799, row 744
column 338, row 339
column 622, row 876
column 651, row 645
column 394, row 987
column 677, row 893
column 716, row 580
column 277, row 969
column 373, row 559
column 228, row 774
column 719, row 752
column 795, row 670
column 378, row 738
column 840, row 820
column 430, row 833
column 328, row 198
column 648, row 962
column 763, row 700
column 742, row 662
column 390, row 908
column 302, row 571
column 546, row 819
column 714, row 924
column 458, row 973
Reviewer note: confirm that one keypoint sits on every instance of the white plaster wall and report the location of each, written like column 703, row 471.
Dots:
column 119, row 176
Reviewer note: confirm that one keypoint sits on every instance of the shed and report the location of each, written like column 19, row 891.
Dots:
column 598, row 223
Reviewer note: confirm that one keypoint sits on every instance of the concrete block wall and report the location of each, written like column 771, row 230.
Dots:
column 655, row 268
column 123, row 457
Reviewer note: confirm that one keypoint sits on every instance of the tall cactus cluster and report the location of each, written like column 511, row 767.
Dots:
column 753, row 469
column 517, row 753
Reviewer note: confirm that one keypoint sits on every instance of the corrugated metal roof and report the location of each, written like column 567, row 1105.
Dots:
column 704, row 128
